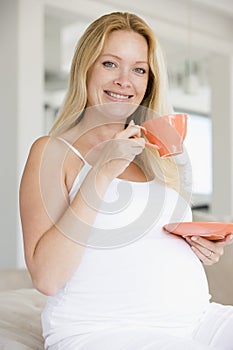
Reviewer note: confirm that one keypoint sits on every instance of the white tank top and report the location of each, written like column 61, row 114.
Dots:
column 132, row 272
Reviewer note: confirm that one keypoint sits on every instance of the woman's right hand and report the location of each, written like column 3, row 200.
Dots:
column 118, row 152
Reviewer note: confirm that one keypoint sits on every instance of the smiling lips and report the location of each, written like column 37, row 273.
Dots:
column 118, row 96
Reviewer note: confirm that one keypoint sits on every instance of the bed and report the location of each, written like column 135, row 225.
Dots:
column 20, row 309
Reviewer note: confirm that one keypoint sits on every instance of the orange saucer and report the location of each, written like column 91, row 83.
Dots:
column 210, row 230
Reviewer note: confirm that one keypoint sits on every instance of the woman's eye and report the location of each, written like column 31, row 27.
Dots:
column 140, row 70
column 109, row 64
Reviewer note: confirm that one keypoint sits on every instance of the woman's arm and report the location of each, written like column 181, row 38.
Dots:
column 51, row 225
column 44, row 207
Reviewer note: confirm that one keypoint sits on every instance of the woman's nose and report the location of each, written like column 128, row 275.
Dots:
column 123, row 79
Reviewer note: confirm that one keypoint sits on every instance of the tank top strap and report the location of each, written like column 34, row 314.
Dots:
column 73, row 149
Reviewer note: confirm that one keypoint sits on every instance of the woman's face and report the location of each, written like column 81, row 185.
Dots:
column 121, row 72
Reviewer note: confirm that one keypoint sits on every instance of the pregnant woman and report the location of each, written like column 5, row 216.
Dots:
column 94, row 199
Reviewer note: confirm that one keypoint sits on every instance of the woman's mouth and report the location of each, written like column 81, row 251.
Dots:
column 118, row 96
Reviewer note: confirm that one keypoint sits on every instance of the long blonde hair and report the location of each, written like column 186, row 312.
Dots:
column 87, row 51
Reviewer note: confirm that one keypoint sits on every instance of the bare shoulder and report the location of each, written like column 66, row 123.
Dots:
column 43, row 147
column 46, row 143
column 53, row 148
column 50, row 155
column 41, row 141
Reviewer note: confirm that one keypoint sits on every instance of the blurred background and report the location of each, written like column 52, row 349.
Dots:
column 38, row 39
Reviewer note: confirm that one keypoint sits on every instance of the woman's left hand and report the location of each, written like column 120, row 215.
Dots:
column 209, row 252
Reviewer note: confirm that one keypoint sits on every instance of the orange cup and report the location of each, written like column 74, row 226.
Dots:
column 166, row 133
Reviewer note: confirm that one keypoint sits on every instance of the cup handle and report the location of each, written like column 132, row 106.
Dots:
column 151, row 145
column 148, row 143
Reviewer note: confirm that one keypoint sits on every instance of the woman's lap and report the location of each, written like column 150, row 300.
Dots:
column 216, row 327
column 130, row 339
column 215, row 331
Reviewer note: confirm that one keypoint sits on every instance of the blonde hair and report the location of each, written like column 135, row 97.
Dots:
column 88, row 50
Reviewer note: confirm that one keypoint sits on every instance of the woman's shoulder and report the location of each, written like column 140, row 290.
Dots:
column 54, row 150
column 41, row 142
column 49, row 144
column 49, row 152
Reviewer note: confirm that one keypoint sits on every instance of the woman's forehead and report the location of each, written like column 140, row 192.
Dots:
column 126, row 43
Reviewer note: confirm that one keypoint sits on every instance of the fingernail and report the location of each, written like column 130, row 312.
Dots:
column 194, row 238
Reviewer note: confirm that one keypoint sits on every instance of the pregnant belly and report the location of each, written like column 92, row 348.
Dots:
column 151, row 281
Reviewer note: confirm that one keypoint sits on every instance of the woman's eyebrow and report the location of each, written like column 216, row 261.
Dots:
column 119, row 58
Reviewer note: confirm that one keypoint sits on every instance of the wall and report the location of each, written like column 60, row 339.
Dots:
column 21, row 86
column 8, row 139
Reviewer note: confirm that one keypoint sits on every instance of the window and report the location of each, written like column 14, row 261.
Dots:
column 198, row 143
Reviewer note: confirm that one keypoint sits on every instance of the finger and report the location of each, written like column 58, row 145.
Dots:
column 138, row 142
column 126, row 148
column 132, row 130
column 227, row 240
column 207, row 260
column 205, row 246
column 130, row 145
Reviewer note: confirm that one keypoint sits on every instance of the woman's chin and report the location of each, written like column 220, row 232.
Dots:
column 116, row 111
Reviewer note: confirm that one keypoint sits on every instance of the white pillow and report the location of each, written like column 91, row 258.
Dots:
column 20, row 324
